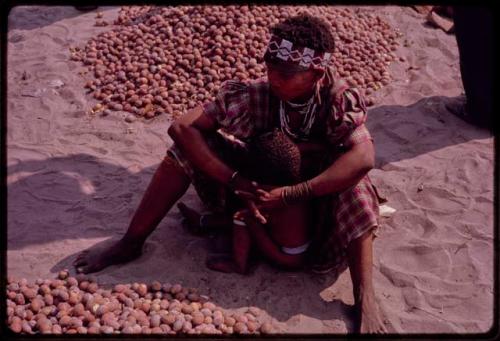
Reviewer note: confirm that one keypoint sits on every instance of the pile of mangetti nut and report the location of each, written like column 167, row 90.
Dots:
column 78, row 305
column 156, row 60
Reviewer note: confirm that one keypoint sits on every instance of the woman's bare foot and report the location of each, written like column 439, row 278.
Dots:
column 224, row 264
column 95, row 260
column 368, row 319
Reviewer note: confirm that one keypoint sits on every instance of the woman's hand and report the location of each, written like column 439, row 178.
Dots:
column 265, row 198
column 247, row 191
column 244, row 188
column 270, row 199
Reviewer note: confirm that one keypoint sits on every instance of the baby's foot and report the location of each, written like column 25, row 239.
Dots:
column 224, row 264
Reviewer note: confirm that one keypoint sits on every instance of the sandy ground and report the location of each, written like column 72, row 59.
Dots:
column 74, row 181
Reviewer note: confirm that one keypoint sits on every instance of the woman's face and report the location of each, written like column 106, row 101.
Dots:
column 289, row 85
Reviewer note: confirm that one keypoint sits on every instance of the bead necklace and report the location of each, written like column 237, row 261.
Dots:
column 307, row 110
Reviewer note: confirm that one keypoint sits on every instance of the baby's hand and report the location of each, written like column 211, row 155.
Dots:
column 245, row 214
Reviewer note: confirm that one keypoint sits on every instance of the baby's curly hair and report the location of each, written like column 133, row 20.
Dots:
column 306, row 30
column 275, row 159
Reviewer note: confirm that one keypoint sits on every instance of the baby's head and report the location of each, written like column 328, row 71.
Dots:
column 275, row 158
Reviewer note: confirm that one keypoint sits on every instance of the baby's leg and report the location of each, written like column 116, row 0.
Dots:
column 241, row 245
column 238, row 261
column 270, row 249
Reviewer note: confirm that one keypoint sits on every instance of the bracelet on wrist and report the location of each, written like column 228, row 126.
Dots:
column 232, row 180
column 297, row 193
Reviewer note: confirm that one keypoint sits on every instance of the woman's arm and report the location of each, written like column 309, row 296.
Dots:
column 346, row 171
column 187, row 133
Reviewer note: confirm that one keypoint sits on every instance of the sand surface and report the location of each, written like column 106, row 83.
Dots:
column 74, row 181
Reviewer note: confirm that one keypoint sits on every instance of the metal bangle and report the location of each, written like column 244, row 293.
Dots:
column 284, row 195
column 232, row 179
column 297, row 193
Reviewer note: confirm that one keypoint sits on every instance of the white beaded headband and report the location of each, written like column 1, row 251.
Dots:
column 283, row 49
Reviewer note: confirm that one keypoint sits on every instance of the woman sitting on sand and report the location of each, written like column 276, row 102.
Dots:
column 303, row 99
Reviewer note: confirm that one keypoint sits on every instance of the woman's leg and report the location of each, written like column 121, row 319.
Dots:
column 356, row 222
column 241, row 247
column 167, row 186
column 360, row 253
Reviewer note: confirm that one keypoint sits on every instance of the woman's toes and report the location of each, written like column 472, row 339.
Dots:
column 79, row 262
column 79, row 258
column 82, row 269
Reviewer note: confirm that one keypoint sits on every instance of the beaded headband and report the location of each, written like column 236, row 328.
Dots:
column 303, row 56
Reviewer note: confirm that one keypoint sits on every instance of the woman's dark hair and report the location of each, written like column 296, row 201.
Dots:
column 275, row 159
column 307, row 31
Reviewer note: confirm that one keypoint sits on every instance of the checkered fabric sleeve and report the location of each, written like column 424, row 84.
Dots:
column 230, row 109
column 345, row 126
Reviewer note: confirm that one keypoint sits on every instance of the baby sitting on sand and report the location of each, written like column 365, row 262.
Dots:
column 274, row 161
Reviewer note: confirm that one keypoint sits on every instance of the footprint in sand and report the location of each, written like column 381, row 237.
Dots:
column 467, row 168
column 55, row 80
column 16, row 37
column 432, row 41
column 69, row 96
column 429, row 267
column 60, row 41
column 58, row 33
column 421, row 258
column 419, row 224
column 441, row 200
column 398, row 277
column 413, row 297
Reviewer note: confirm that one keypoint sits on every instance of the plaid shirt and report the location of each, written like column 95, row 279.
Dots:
column 247, row 109
column 244, row 110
